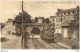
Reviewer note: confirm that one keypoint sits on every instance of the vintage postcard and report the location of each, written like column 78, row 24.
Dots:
column 39, row 24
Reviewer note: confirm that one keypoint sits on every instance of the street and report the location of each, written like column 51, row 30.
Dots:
column 13, row 42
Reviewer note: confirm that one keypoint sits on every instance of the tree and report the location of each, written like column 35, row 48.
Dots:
column 36, row 19
column 74, row 25
column 2, row 25
column 26, row 18
column 47, row 20
column 43, row 20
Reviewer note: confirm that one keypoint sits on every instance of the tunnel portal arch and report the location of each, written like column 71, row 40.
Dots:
column 35, row 30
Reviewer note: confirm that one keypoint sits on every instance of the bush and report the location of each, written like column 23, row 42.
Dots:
column 74, row 44
column 47, row 34
column 58, row 36
column 2, row 38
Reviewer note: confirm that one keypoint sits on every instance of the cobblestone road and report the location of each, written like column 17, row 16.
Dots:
column 14, row 42
column 38, row 43
column 11, row 42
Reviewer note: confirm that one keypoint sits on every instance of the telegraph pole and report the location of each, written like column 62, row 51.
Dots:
column 22, row 42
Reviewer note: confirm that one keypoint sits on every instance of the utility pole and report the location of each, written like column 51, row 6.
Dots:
column 22, row 27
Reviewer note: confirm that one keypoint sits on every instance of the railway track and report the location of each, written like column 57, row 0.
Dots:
column 57, row 46
column 38, row 44
column 51, row 45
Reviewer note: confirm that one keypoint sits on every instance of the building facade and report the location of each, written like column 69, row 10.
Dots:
column 52, row 19
column 9, row 27
column 40, row 19
column 63, row 19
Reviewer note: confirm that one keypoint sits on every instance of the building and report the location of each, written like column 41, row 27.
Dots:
column 9, row 27
column 63, row 19
column 52, row 19
column 40, row 19
column 58, row 23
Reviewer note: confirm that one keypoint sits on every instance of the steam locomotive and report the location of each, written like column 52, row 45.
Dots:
column 47, row 35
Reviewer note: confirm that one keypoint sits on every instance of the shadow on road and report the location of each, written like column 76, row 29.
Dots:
column 4, row 40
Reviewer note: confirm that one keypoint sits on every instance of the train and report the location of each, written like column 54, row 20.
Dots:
column 47, row 35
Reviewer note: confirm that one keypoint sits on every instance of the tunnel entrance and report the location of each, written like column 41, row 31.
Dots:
column 35, row 31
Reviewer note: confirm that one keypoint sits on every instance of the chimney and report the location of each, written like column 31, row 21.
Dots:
column 77, row 6
column 59, row 10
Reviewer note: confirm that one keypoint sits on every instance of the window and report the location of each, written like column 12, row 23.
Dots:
column 73, row 12
column 68, row 18
column 65, row 19
column 57, row 14
column 58, row 26
column 64, row 13
column 72, row 18
column 69, row 13
column 58, row 20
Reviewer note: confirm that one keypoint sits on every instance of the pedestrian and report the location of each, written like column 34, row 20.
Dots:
column 32, row 36
column 26, row 36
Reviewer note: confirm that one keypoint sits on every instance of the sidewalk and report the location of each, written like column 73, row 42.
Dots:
column 64, row 45
column 12, row 42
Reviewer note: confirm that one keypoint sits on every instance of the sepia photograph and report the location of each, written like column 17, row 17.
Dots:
column 39, row 24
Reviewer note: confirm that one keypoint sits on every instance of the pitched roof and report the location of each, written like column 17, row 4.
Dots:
column 52, row 16
column 10, row 20
column 67, row 10
column 40, row 17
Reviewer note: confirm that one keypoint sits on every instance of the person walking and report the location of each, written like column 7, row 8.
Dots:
column 32, row 36
column 26, row 37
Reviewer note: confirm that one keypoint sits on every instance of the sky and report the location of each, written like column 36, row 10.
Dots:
column 9, row 9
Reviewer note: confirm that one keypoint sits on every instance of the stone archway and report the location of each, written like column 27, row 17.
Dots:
column 35, row 30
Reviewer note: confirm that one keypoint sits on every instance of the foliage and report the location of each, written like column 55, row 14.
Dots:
column 75, row 23
column 2, row 39
column 47, row 34
column 58, row 36
column 26, row 18
column 43, row 20
column 18, row 21
column 36, row 19
column 47, row 20
column 2, row 25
